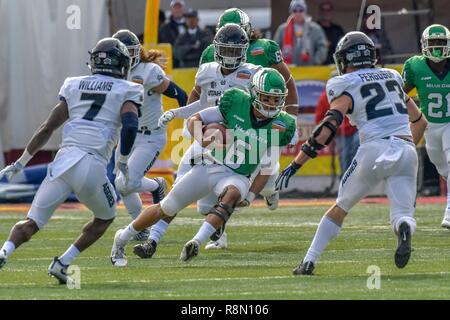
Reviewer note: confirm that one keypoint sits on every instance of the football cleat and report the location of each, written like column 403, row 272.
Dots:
column 304, row 269
column 190, row 250
column 160, row 192
column 59, row 271
column 145, row 250
column 219, row 232
column 141, row 236
column 446, row 221
column 118, row 257
column 403, row 251
column 3, row 258
column 221, row 243
column 272, row 200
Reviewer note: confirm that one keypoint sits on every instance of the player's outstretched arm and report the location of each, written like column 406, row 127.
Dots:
column 321, row 136
column 418, row 123
column 172, row 90
column 57, row 117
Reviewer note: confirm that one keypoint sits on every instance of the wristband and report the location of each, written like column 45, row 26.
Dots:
column 250, row 197
column 420, row 117
column 123, row 159
column 295, row 165
column 24, row 158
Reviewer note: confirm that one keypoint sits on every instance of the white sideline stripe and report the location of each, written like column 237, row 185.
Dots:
column 9, row 285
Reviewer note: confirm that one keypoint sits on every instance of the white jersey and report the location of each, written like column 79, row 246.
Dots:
column 213, row 83
column 94, row 103
column 379, row 109
column 150, row 75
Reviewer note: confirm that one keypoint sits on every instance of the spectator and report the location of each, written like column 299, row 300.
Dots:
column 176, row 25
column 333, row 31
column 162, row 19
column 302, row 40
column 347, row 139
column 189, row 46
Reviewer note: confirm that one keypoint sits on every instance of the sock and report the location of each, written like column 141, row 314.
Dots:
column 326, row 232
column 9, row 247
column 128, row 233
column 69, row 255
column 158, row 230
column 148, row 185
column 133, row 203
column 205, row 231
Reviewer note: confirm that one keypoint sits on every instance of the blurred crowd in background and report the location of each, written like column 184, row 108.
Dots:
column 304, row 39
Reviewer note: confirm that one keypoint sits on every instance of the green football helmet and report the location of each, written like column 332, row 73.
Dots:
column 235, row 15
column 436, row 42
column 268, row 91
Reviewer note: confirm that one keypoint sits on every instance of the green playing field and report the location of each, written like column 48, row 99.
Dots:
column 264, row 247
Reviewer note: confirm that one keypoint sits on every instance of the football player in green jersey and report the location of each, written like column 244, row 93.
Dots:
column 261, row 52
column 256, row 124
column 266, row 53
column 429, row 73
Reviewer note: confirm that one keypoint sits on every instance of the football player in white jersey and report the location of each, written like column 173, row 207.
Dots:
column 96, row 110
column 229, row 70
column 389, row 125
column 151, row 138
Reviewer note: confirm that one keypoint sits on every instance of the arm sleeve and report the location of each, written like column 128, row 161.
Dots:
column 187, row 111
column 175, row 92
column 128, row 132
column 210, row 115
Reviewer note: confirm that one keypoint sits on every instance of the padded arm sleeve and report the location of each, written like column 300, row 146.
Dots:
column 128, row 133
column 175, row 92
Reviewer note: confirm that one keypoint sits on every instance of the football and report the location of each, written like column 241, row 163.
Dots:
column 217, row 133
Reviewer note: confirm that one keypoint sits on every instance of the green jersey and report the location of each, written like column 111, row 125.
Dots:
column 250, row 138
column 433, row 91
column 261, row 52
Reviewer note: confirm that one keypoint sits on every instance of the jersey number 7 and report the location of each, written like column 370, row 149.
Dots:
column 98, row 99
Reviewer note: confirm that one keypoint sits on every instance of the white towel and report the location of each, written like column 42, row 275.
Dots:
column 65, row 159
column 392, row 154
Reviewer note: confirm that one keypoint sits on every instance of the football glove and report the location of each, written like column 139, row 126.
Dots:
column 165, row 119
column 285, row 175
column 10, row 171
column 123, row 167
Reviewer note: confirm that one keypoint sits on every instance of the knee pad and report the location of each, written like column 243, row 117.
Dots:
column 169, row 207
column 225, row 213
